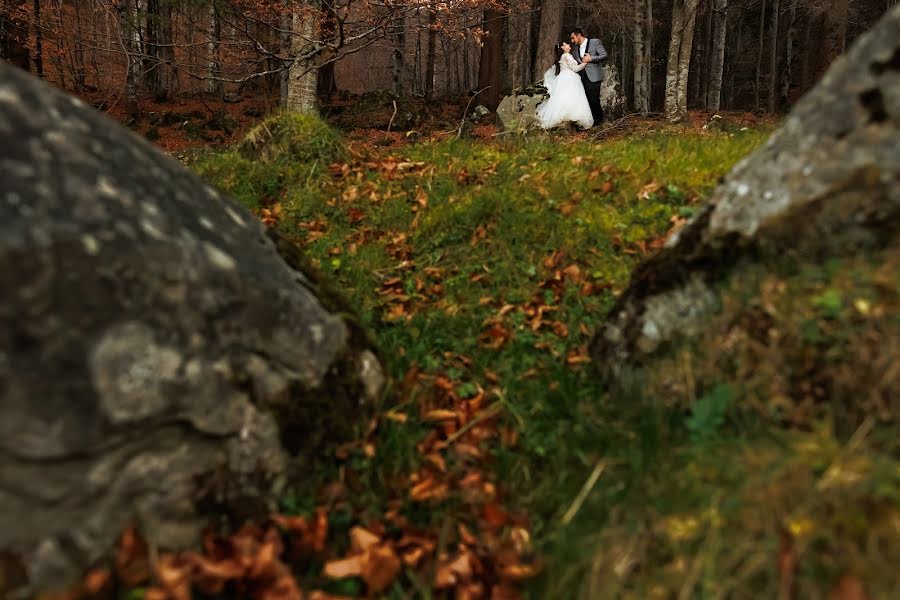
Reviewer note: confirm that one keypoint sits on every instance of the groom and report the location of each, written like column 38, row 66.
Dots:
column 591, row 52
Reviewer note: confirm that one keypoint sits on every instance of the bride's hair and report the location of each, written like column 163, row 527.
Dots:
column 559, row 54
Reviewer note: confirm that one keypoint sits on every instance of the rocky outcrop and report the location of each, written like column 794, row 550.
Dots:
column 161, row 357
column 826, row 183
column 612, row 97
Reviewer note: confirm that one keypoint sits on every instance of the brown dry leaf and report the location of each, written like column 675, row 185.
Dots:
column 578, row 356
column 647, row 190
column 343, row 568
column 439, row 414
column 607, row 187
column 470, row 591
column 380, row 566
column 132, row 566
column 518, row 571
column 362, row 539
column 96, row 581
column 397, row 417
column 429, row 489
column 173, row 574
column 466, row 536
column 494, row 516
column 451, row 572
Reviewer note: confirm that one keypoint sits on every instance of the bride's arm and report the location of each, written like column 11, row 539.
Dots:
column 574, row 64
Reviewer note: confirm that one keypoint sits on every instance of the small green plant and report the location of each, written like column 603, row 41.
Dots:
column 708, row 413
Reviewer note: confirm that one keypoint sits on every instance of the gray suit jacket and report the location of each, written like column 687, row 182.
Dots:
column 594, row 69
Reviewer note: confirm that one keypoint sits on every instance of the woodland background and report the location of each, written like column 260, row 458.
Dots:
column 672, row 55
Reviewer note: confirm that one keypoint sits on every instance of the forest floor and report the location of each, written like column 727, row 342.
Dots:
column 499, row 467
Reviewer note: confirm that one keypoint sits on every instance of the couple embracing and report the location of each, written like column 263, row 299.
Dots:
column 574, row 84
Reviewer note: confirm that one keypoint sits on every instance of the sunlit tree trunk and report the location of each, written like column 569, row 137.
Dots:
column 643, row 44
column 398, row 64
column 303, row 74
column 684, row 18
column 717, row 59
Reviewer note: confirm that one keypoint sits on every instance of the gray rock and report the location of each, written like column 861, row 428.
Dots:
column 480, row 111
column 162, row 359
column 611, row 95
column 827, row 182
column 517, row 111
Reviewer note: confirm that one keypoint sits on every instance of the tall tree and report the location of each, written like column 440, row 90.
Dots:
column 215, row 45
column 759, row 56
column 431, row 52
column 302, row 82
column 127, row 10
column 684, row 19
column 787, row 71
column 773, row 55
column 38, row 27
column 490, row 76
column 643, row 53
column 717, row 59
column 548, row 35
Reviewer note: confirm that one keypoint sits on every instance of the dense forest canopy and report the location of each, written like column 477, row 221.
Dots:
column 672, row 55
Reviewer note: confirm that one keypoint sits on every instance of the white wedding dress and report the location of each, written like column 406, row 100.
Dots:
column 567, row 101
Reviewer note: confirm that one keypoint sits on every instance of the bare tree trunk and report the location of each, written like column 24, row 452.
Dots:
column 807, row 52
column 431, row 52
column 152, row 73
column 14, row 38
column 707, row 54
column 773, row 55
column 302, row 76
column 168, row 74
column 787, row 71
column 490, row 78
column 736, row 51
column 215, row 85
column 398, row 66
column 835, row 33
column 759, row 56
column 127, row 20
column 80, row 71
column 717, row 57
column 548, row 35
column 38, row 40
column 643, row 42
column 684, row 18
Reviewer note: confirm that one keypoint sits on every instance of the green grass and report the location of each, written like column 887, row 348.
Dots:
column 696, row 486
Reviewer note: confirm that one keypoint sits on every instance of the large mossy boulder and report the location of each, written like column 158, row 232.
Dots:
column 163, row 359
column 292, row 137
column 822, row 194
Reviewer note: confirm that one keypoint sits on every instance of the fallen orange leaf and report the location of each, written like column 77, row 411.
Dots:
column 343, row 568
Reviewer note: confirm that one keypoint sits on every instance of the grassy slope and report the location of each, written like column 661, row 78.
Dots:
column 490, row 263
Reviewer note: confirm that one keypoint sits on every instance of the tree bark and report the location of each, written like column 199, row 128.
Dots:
column 835, row 33
column 787, row 70
column 431, row 52
column 773, row 55
column 398, row 64
column 684, row 18
column 548, row 35
column 490, row 77
column 717, row 57
column 215, row 86
column 38, row 40
column 127, row 19
column 302, row 75
column 643, row 43
column 759, row 56
column 168, row 74
column 14, row 38
column 732, row 69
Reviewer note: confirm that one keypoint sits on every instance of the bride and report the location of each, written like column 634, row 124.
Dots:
column 567, row 101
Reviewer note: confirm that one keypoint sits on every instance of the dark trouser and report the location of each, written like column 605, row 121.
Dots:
column 592, row 89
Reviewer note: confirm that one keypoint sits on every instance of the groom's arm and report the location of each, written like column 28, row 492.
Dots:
column 599, row 54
